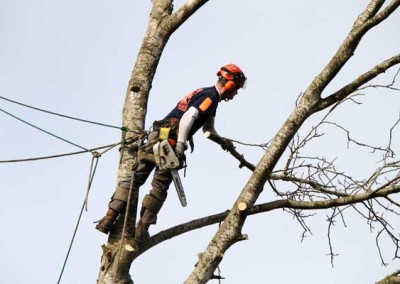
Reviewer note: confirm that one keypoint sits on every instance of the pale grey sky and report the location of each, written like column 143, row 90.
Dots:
column 75, row 58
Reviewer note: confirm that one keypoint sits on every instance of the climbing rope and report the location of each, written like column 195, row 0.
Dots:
column 139, row 134
column 128, row 202
column 93, row 166
column 109, row 147
column 58, row 114
column 96, row 156
column 45, row 131
column 95, row 160
column 146, row 146
column 123, row 129
column 123, row 141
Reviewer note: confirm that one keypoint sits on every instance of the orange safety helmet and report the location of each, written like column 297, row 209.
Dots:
column 234, row 75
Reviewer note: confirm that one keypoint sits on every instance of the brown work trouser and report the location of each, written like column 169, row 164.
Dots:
column 160, row 183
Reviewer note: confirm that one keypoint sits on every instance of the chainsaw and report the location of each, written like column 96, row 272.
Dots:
column 166, row 159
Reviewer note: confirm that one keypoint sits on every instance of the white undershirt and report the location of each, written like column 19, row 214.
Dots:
column 186, row 122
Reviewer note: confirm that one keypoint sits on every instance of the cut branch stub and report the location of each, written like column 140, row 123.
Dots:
column 242, row 206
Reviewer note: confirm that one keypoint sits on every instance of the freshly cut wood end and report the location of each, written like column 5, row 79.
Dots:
column 242, row 206
column 128, row 247
column 207, row 134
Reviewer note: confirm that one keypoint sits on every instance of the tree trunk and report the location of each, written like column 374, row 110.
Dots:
column 116, row 260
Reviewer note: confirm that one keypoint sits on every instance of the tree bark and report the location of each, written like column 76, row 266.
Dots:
column 393, row 278
column 116, row 261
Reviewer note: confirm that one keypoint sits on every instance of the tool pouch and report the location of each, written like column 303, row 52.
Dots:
column 164, row 133
column 168, row 129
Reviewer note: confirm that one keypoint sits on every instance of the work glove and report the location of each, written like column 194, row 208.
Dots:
column 180, row 150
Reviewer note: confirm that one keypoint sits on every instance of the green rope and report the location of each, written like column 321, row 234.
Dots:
column 91, row 176
column 109, row 147
column 34, row 126
column 58, row 114
column 123, row 141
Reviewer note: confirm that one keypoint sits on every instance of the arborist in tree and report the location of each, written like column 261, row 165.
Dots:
column 195, row 110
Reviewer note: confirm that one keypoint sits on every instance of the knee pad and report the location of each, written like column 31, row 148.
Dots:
column 117, row 205
column 152, row 203
column 121, row 194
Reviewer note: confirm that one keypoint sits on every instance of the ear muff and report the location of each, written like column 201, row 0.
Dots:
column 230, row 86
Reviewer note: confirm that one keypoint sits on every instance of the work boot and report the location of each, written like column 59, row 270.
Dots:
column 142, row 235
column 107, row 222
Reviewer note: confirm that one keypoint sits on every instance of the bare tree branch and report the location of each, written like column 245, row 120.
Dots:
column 262, row 208
column 393, row 278
column 184, row 12
column 387, row 86
column 361, row 80
column 363, row 24
column 220, row 140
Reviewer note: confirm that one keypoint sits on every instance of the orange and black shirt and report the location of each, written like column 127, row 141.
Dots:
column 205, row 100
